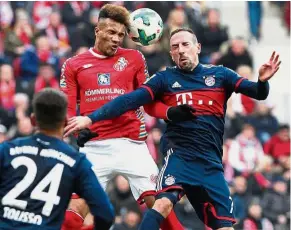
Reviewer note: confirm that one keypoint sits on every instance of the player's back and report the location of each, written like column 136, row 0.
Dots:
column 36, row 182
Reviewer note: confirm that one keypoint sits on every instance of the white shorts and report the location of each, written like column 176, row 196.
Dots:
column 126, row 157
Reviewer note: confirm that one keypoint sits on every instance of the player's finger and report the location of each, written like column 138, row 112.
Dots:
column 277, row 69
column 276, row 59
column 278, row 65
column 69, row 131
column 71, row 118
column 70, row 126
column 272, row 56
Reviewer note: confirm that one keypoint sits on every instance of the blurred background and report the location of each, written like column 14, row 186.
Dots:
column 37, row 37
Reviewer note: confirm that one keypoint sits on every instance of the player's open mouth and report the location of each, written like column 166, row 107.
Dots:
column 114, row 47
column 183, row 59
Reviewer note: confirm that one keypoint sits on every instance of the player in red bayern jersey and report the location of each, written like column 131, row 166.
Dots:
column 95, row 78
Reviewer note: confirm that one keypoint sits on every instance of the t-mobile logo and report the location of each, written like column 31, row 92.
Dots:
column 184, row 98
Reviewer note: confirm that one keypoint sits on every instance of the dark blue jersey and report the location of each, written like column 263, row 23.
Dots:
column 38, row 174
column 206, row 88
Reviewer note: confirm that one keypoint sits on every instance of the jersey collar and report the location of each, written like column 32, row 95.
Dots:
column 97, row 54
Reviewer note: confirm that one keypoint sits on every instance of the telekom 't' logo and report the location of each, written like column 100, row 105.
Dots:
column 184, row 98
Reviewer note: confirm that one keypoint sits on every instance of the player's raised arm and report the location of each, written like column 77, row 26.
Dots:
column 88, row 187
column 68, row 85
column 257, row 90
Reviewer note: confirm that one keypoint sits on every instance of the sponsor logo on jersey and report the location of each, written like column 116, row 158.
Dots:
column 121, row 64
column 92, row 92
column 209, row 80
column 103, row 78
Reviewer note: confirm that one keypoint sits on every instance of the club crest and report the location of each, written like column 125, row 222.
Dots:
column 209, row 80
column 121, row 64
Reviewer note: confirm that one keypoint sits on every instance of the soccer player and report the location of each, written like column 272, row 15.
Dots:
column 192, row 149
column 39, row 173
column 95, row 78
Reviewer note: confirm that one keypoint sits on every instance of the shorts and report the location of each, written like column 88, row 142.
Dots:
column 203, row 184
column 125, row 157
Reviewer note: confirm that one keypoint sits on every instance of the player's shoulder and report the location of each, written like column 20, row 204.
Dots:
column 209, row 69
column 25, row 142
column 75, row 60
column 132, row 53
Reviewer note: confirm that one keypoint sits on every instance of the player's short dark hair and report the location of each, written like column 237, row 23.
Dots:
column 50, row 108
column 182, row 30
column 116, row 13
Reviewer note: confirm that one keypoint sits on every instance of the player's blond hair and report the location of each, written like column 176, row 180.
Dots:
column 117, row 13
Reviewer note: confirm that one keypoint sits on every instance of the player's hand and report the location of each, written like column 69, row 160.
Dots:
column 268, row 70
column 181, row 113
column 77, row 123
column 84, row 136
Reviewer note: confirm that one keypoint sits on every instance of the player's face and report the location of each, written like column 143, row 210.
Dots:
column 109, row 36
column 184, row 50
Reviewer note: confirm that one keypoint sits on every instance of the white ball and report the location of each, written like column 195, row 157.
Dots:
column 146, row 27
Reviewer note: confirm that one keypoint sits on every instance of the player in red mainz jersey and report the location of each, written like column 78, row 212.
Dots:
column 94, row 78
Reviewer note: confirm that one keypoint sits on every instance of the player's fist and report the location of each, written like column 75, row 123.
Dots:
column 84, row 136
column 181, row 113
column 77, row 123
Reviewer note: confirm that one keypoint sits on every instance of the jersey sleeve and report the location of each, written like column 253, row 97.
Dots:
column 88, row 187
column 142, row 73
column 157, row 109
column 232, row 79
column 68, row 85
column 155, row 85
column 235, row 83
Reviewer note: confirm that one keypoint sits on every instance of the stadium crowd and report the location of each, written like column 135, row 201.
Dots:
column 37, row 37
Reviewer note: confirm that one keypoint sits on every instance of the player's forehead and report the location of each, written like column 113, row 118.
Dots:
column 181, row 37
column 109, row 24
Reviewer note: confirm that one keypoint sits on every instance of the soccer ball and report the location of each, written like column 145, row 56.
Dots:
column 146, row 27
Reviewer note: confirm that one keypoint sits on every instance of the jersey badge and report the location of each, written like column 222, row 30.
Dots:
column 170, row 180
column 103, row 78
column 121, row 64
column 209, row 80
column 176, row 85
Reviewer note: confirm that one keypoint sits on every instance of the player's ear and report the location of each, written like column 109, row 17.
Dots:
column 171, row 55
column 33, row 119
column 198, row 48
column 96, row 30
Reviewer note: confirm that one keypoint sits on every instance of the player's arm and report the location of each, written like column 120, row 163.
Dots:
column 68, row 85
column 131, row 101
column 257, row 90
column 235, row 83
column 88, row 187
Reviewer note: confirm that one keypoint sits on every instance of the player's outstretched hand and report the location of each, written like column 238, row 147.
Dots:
column 77, row 123
column 181, row 113
column 268, row 70
column 84, row 136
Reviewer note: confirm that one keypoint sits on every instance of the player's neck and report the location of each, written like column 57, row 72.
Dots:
column 96, row 50
column 195, row 65
column 52, row 133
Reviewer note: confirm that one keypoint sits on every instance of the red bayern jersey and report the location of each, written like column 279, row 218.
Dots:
column 94, row 80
